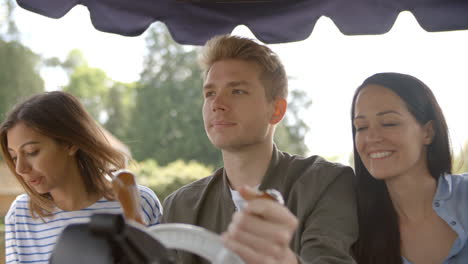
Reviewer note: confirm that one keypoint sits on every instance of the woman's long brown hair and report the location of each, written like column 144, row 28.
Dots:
column 379, row 233
column 62, row 117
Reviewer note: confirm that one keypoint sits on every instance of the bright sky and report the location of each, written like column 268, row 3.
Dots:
column 328, row 65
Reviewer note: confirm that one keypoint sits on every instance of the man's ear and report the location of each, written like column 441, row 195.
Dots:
column 429, row 132
column 280, row 110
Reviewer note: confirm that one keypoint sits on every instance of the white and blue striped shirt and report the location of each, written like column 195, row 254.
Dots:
column 31, row 240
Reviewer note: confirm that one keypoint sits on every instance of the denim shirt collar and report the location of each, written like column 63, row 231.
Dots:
column 444, row 188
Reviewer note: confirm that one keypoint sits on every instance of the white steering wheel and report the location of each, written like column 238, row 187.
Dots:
column 196, row 240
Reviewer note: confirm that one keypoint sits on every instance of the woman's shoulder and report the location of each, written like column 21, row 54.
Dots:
column 151, row 205
column 21, row 202
column 22, row 198
column 146, row 192
column 458, row 179
column 457, row 185
column 149, row 197
column 457, row 199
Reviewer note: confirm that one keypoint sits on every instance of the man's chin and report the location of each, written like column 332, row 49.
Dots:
column 232, row 147
column 226, row 147
column 223, row 145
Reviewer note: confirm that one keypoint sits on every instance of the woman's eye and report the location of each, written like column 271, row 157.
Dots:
column 360, row 128
column 32, row 153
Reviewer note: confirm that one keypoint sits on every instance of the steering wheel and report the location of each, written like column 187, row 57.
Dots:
column 196, row 240
column 193, row 239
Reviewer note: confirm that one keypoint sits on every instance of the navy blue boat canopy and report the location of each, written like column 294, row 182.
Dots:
column 277, row 21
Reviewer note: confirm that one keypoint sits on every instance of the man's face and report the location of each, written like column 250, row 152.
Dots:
column 236, row 112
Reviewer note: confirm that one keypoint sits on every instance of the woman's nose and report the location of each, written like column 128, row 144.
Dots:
column 22, row 165
column 374, row 135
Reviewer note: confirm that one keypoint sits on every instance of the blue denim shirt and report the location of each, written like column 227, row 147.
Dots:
column 451, row 204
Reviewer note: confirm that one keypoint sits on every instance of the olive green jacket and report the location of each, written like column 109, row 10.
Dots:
column 319, row 193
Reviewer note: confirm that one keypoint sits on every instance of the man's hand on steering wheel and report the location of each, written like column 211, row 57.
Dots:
column 262, row 231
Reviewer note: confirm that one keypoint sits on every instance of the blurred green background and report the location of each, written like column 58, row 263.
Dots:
column 158, row 117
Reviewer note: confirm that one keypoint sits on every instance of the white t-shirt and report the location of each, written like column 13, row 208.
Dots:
column 239, row 202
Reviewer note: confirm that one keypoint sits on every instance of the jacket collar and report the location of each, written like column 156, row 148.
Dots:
column 270, row 179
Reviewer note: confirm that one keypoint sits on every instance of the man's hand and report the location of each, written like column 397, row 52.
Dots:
column 261, row 233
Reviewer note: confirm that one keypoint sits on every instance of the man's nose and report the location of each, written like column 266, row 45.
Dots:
column 219, row 103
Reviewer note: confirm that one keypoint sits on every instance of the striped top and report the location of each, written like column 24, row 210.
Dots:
column 30, row 240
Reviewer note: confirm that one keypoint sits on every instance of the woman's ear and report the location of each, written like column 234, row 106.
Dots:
column 429, row 132
column 72, row 149
column 280, row 110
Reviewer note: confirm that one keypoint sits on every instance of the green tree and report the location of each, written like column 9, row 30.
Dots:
column 90, row 85
column 19, row 66
column 19, row 74
column 75, row 59
column 290, row 133
column 167, row 122
column 120, row 104
column 164, row 180
column 109, row 102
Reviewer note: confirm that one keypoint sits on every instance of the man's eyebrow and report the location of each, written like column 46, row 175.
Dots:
column 25, row 144
column 208, row 86
column 229, row 84
column 237, row 83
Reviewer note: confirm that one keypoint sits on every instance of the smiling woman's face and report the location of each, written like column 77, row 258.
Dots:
column 41, row 162
column 388, row 138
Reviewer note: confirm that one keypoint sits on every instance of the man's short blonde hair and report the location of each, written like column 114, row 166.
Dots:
column 273, row 76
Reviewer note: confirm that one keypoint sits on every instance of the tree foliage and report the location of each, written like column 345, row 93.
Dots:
column 167, row 122
column 109, row 102
column 290, row 133
column 19, row 74
column 90, row 85
column 120, row 104
column 163, row 180
column 19, row 66
column 74, row 60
